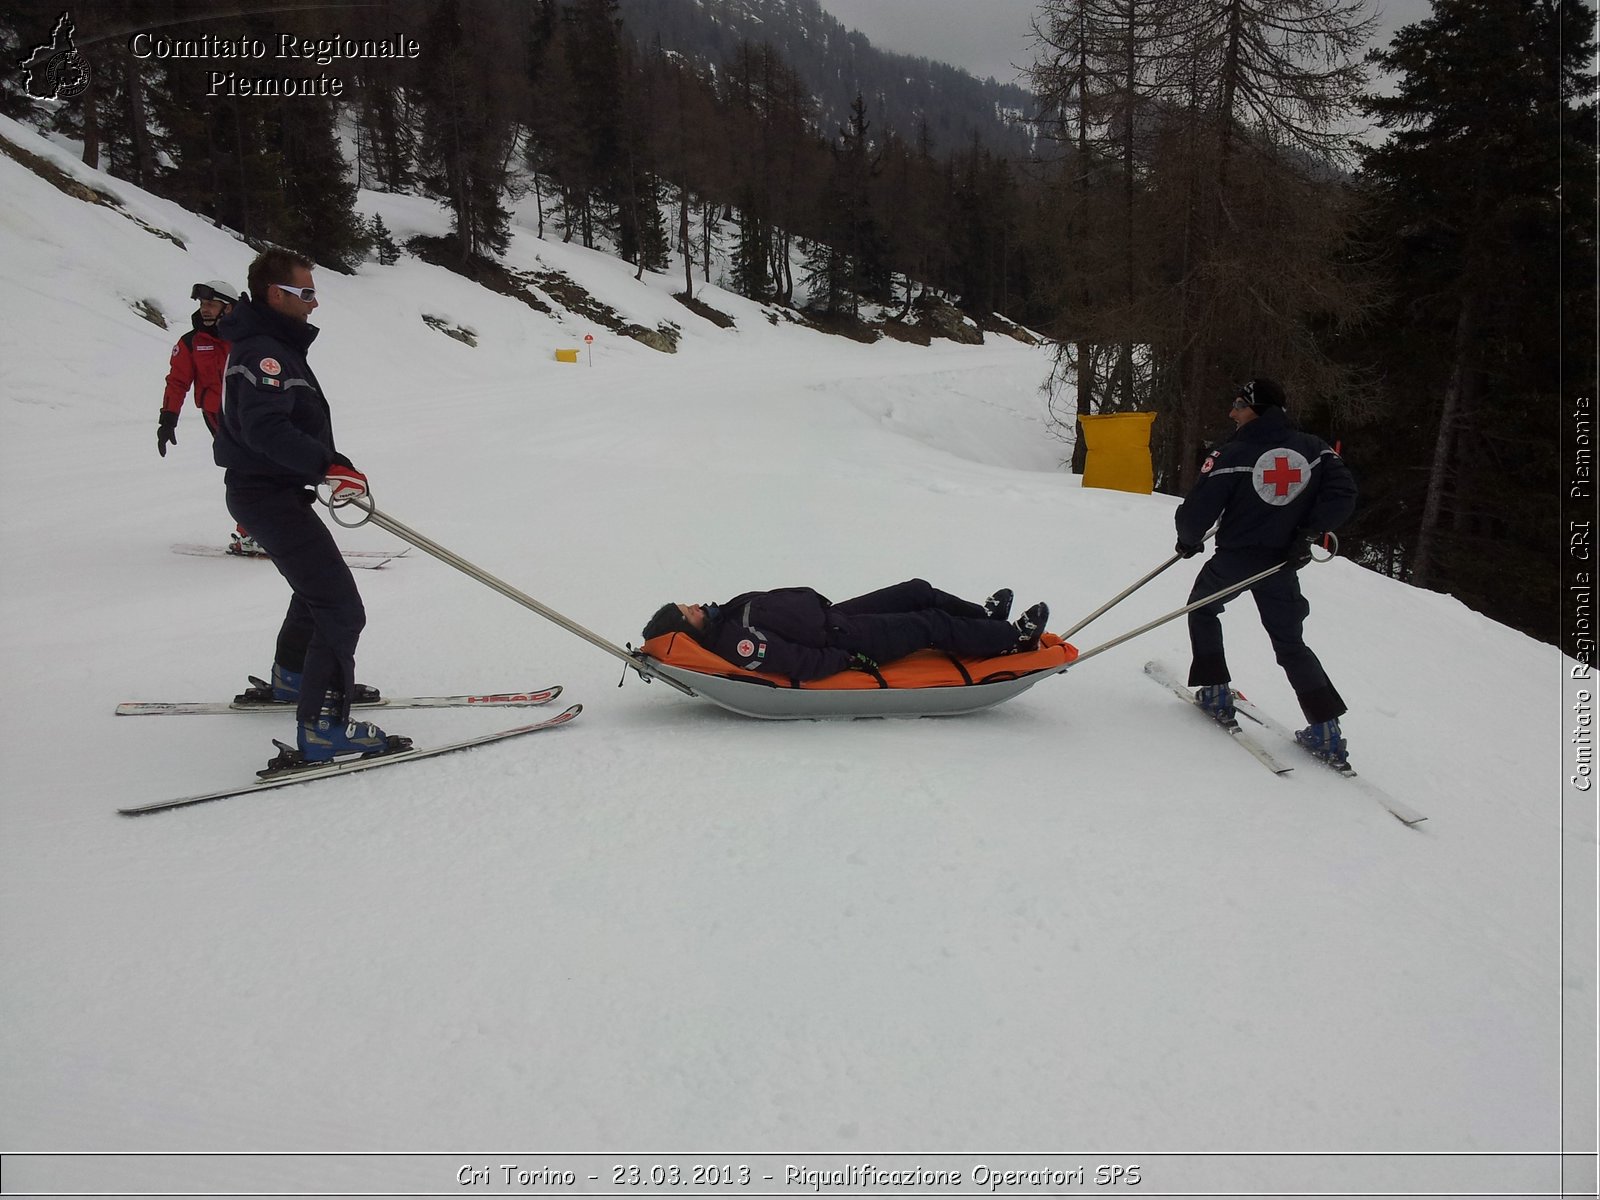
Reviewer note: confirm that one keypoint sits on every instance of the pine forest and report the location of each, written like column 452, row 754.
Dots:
column 1188, row 193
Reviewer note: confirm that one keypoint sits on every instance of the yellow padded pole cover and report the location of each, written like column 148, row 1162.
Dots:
column 1118, row 447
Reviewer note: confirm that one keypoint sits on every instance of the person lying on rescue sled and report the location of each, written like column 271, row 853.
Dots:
column 799, row 633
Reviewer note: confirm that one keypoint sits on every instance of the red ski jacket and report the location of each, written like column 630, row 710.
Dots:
column 197, row 359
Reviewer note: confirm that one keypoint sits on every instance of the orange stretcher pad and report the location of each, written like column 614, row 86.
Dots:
column 924, row 669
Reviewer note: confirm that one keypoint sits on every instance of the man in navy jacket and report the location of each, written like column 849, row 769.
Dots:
column 1272, row 491
column 276, row 442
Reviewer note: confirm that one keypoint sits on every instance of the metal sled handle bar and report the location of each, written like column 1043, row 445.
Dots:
column 1128, row 591
column 1212, row 599
column 1333, row 551
column 449, row 557
column 1119, row 598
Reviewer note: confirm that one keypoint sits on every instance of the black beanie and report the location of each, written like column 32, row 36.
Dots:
column 668, row 618
column 1261, row 392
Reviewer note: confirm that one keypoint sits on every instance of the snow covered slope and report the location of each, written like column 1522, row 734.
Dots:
column 1078, row 922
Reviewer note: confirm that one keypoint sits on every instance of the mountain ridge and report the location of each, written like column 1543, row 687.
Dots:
column 837, row 62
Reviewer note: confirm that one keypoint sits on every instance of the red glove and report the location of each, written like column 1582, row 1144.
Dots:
column 345, row 484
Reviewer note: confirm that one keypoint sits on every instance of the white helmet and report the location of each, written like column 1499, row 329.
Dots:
column 214, row 289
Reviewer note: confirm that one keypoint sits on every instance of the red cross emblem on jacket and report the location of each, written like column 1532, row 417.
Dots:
column 1280, row 475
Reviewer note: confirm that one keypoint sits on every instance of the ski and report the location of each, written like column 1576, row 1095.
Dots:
column 350, row 766
column 366, row 560
column 1401, row 812
column 1161, row 675
column 155, row 708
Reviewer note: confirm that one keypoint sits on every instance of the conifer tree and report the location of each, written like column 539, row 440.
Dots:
column 1224, row 119
column 857, row 164
column 553, row 150
column 752, row 251
column 827, row 277
column 318, row 190
column 1268, row 85
column 1485, row 192
column 386, row 148
column 470, row 98
column 14, row 101
column 594, row 171
column 383, row 242
column 1107, row 68
column 982, row 228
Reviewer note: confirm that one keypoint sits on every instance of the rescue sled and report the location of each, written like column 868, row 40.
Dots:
column 929, row 683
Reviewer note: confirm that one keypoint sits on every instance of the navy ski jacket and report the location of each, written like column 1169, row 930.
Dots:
column 276, row 424
column 1265, row 483
column 784, row 632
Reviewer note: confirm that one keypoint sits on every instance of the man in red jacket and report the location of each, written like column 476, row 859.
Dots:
column 198, row 361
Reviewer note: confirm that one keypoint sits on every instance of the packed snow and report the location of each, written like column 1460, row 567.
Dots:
column 1079, row 924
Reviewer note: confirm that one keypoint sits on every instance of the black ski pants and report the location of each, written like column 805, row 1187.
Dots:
column 1283, row 612
column 213, row 420
column 325, row 616
column 892, row 622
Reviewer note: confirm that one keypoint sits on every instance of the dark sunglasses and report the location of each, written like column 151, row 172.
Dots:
column 201, row 292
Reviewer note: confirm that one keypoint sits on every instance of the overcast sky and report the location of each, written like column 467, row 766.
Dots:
column 985, row 37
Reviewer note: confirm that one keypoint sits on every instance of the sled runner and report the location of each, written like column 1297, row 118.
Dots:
column 929, row 683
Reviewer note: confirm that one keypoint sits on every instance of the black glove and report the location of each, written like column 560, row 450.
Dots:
column 1300, row 548
column 166, row 431
column 860, row 662
column 1185, row 550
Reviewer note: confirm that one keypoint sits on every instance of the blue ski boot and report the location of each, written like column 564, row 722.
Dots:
column 285, row 684
column 1325, row 741
column 286, row 689
column 1216, row 701
column 331, row 735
